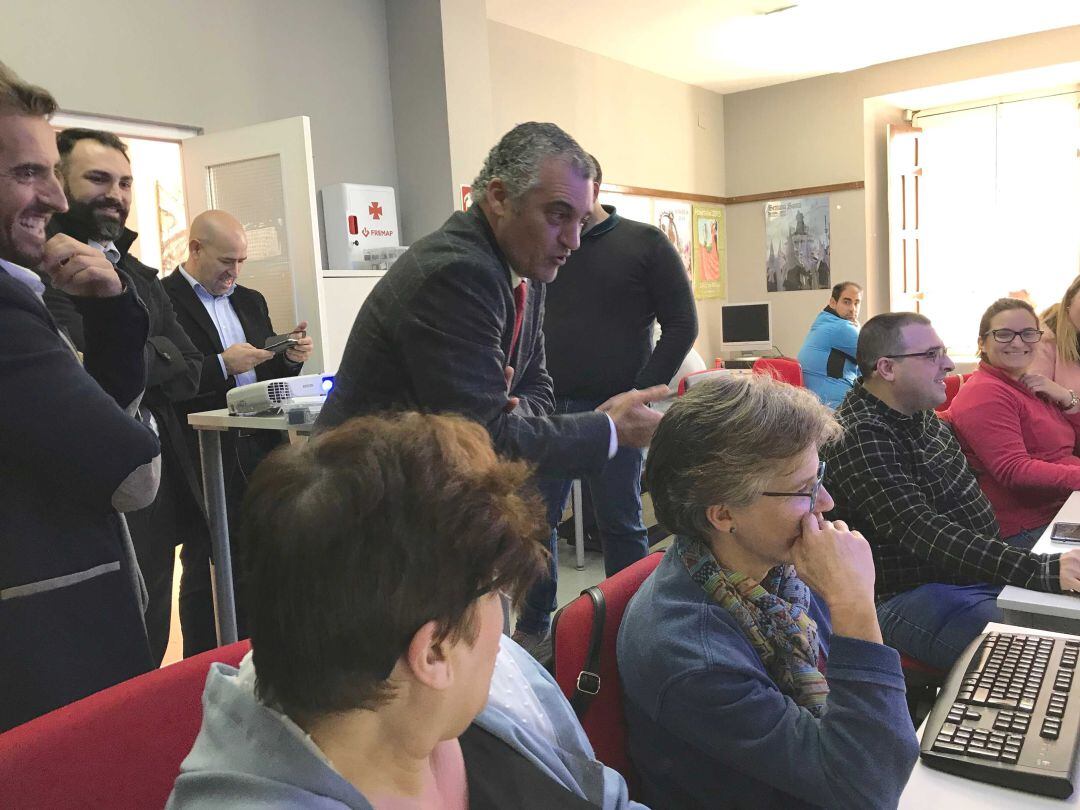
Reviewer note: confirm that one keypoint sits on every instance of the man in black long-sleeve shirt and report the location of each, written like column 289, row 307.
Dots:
column 598, row 337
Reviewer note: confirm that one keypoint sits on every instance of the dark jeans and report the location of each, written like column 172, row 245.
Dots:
column 934, row 623
column 173, row 519
column 241, row 452
column 1026, row 539
column 616, row 496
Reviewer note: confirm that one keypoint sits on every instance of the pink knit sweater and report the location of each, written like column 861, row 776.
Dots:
column 1022, row 448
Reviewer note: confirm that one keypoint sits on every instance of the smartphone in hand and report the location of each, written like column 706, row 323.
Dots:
column 279, row 343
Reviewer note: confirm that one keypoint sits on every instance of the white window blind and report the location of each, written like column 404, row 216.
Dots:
column 1000, row 206
column 251, row 191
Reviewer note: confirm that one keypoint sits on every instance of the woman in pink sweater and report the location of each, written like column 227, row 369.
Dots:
column 1018, row 428
column 1057, row 355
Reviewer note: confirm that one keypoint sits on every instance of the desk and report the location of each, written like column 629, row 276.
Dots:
column 208, row 425
column 1047, row 611
column 928, row 789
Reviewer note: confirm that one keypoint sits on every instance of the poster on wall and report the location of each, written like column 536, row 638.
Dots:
column 466, row 198
column 710, row 252
column 673, row 218
column 172, row 224
column 797, row 244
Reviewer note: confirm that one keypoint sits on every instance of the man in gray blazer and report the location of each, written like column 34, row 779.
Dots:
column 455, row 325
column 442, row 332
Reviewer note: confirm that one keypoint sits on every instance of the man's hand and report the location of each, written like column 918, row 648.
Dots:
column 79, row 269
column 1069, row 575
column 241, row 357
column 635, row 422
column 837, row 563
column 304, row 344
column 511, row 402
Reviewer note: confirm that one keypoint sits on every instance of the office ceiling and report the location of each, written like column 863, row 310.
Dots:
column 732, row 45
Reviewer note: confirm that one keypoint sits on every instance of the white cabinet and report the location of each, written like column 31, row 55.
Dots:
column 343, row 295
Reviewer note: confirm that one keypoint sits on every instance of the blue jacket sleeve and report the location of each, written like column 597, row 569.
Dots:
column 859, row 754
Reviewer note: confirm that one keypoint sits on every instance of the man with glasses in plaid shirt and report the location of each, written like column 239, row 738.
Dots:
column 899, row 476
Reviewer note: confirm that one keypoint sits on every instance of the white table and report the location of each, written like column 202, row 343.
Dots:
column 209, row 425
column 929, row 789
column 1049, row 611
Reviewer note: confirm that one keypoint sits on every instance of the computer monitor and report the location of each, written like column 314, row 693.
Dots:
column 746, row 327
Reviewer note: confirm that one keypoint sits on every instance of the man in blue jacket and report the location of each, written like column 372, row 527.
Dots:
column 827, row 355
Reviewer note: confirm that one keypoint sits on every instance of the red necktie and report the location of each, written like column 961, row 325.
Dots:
column 520, row 292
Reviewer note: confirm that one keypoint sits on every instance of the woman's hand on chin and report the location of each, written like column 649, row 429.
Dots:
column 1043, row 386
column 837, row 564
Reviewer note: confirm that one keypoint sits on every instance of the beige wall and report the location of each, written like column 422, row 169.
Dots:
column 220, row 65
column 828, row 130
column 647, row 130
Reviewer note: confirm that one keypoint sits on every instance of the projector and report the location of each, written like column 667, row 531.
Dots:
column 277, row 396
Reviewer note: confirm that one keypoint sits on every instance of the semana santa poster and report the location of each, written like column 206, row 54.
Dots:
column 709, row 261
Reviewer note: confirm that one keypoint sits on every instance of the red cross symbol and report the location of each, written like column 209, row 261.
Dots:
column 375, row 210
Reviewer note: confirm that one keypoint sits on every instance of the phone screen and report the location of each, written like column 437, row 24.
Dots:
column 1066, row 533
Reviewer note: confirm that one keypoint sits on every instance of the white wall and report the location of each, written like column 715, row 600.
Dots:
column 646, row 130
column 219, row 64
column 830, row 129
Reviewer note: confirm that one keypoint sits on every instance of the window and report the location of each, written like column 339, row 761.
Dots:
column 158, row 213
column 996, row 211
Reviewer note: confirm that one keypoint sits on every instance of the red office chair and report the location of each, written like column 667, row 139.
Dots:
column 922, row 682
column 784, row 369
column 695, row 377
column 603, row 719
column 120, row 748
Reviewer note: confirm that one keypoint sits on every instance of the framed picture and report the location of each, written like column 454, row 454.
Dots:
column 709, row 252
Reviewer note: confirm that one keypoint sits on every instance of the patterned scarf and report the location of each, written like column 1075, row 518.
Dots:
column 773, row 614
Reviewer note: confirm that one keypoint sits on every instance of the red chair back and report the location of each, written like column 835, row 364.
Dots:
column 695, row 377
column 784, row 369
column 119, row 748
column 604, row 721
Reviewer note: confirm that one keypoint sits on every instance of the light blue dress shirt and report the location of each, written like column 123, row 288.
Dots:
column 27, row 277
column 221, row 312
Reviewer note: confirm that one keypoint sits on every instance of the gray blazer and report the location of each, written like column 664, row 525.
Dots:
column 434, row 336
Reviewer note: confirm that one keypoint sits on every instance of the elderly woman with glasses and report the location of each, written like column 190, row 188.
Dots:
column 751, row 659
column 1017, row 428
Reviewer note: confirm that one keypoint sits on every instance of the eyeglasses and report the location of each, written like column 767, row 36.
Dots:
column 812, row 494
column 933, row 355
column 1009, row 335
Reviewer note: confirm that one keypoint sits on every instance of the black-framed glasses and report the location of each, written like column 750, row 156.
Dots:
column 933, row 355
column 1009, row 335
column 812, row 494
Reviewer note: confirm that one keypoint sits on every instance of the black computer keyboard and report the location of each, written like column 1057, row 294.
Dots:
column 1009, row 714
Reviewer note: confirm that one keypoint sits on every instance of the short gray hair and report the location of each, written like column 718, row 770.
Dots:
column 724, row 441
column 517, row 157
column 880, row 336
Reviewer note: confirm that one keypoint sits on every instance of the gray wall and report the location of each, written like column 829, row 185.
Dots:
column 220, row 64
column 418, row 84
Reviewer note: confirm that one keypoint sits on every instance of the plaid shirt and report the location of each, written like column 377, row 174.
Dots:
column 905, row 484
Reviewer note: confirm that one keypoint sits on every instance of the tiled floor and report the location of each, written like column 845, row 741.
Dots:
column 571, row 583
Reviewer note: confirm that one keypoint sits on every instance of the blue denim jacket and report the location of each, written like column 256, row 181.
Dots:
column 710, row 729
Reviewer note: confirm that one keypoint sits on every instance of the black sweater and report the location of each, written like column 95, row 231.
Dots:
column 601, row 307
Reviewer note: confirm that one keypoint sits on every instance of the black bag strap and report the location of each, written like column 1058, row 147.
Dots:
column 588, row 680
